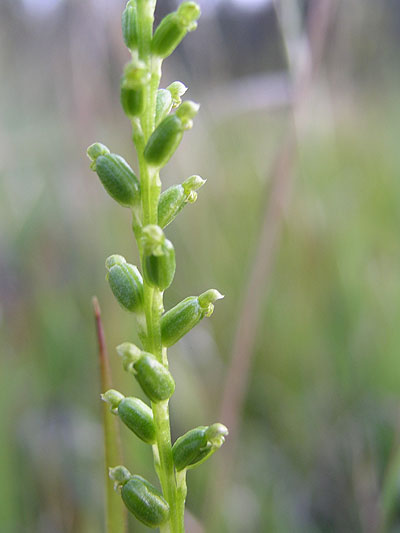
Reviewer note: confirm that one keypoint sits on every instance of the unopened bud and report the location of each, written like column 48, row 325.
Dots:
column 116, row 175
column 167, row 136
column 174, row 199
column 158, row 258
column 126, row 283
column 154, row 378
column 145, row 502
column 174, row 27
column 197, row 445
column 133, row 81
column 138, row 417
column 179, row 320
column 129, row 29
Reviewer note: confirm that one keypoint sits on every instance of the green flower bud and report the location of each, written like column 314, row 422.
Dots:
column 129, row 29
column 197, row 445
column 145, row 502
column 126, row 283
column 132, row 101
column 138, row 417
column 94, row 151
column 174, row 27
column 154, row 378
column 133, row 81
column 174, row 199
column 179, row 320
column 116, row 175
column 158, row 258
column 167, row 136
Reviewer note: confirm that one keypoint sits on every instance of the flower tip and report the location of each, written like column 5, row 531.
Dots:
column 113, row 260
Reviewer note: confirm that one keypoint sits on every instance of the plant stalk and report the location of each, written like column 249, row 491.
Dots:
column 116, row 519
column 153, row 298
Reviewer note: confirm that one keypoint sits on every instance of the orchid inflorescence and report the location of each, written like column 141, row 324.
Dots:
column 159, row 119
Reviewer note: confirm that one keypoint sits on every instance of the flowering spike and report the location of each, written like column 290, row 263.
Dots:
column 156, row 134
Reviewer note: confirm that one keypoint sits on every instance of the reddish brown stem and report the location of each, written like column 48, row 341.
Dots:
column 115, row 511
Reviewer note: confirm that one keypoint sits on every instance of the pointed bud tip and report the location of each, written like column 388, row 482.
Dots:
column 193, row 183
column 217, row 429
column 177, row 88
column 120, row 475
column 130, row 353
column 113, row 260
column 113, row 398
column 127, row 348
column 216, row 434
column 94, row 151
column 153, row 232
column 210, row 296
column 188, row 13
column 207, row 300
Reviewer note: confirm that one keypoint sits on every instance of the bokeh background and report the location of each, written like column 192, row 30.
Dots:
column 298, row 225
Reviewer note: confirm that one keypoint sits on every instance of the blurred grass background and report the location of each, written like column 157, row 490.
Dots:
column 318, row 445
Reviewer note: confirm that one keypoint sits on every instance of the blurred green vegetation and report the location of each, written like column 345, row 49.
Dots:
column 319, row 441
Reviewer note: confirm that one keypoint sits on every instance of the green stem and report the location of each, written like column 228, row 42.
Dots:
column 167, row 471
column 153, row 298
column 182, row 492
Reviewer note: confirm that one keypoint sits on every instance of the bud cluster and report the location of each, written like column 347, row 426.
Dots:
column 159, row 120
